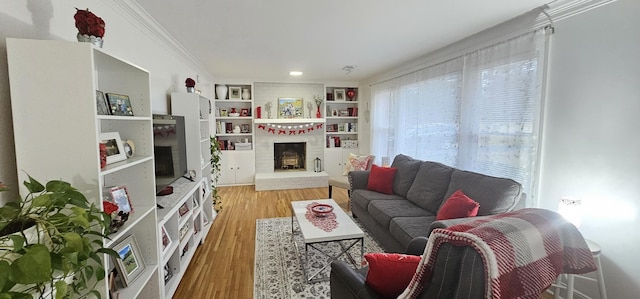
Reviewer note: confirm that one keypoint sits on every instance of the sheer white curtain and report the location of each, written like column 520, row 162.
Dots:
column 478, row 112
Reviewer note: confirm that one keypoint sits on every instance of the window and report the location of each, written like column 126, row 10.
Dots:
column 478, row 112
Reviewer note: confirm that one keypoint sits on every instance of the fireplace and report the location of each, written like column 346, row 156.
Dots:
column 289, row 156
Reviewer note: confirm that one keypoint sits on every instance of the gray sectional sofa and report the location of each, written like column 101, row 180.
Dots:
column 420, row 188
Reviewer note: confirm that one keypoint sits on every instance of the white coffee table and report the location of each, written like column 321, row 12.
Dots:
column 343, row 229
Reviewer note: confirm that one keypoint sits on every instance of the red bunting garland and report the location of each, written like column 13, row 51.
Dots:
column 282, row 130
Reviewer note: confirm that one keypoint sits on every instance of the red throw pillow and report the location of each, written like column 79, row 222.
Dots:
column 381, row 179
column 390, row 273
column 459, row 205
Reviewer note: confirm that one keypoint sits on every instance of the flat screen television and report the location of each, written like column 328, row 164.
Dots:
column 169, row 149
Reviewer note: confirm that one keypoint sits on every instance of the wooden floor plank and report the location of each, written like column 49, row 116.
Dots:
column 222, row 267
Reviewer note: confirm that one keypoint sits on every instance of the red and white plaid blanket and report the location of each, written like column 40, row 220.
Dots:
column 523, row 252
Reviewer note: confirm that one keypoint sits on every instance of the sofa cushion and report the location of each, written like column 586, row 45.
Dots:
column 404, row 229
column 495, row 195
column 356, row 163
column 381, row 179
column 430, row 185
column 390, row 273
column 458, row 205
column 385, row 210
column 407, row 170
column 362, row 197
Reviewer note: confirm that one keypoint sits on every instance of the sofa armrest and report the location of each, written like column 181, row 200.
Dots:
column 359, row 179
column 417, row 245
column 451, row 222
column 348, row 283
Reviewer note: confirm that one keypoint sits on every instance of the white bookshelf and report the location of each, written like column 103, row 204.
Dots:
column 57, row 135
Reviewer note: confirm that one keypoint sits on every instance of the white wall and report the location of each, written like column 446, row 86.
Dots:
column 591, row 146
column 125, row 37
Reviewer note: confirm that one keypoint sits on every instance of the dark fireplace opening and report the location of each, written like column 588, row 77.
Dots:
column 289, row 156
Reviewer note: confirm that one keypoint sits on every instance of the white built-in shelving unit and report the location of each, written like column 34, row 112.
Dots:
column 57, row 135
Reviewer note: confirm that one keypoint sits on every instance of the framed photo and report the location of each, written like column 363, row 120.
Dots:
column 115, row 148
column 183, row 209
column 101, row 104
column 120, row 196
column 235, row 93
column 130, row 264
column 290, row 108
column 166, row 241
column 119, row 104
column 338, row 95
column 244, row 112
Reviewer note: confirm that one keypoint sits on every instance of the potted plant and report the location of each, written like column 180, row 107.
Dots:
column 215, row 170
column 51, row 242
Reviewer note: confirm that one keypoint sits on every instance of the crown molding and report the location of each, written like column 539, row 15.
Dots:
column 142, row 20
column 562, row 9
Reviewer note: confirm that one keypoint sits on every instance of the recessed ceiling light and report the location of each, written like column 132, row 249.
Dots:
column 295, row 73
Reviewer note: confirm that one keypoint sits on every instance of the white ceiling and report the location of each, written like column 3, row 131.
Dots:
column 264, row 40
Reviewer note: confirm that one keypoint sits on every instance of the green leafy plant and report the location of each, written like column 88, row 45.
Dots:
column 215, row 170
column 51, row 241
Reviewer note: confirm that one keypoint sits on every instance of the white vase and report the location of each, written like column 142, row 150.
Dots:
column 221, row 92
column 245, row 94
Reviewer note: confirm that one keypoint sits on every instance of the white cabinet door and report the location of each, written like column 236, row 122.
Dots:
column 227, row 168
column 245, row 167
column 237, row 167
column 334, row 163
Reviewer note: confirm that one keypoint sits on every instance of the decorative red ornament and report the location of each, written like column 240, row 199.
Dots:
column 261, row 126
column 301, row 131
column 310, row 129
column 190, row 82
column 88, row 24
column 281, row 132
column 271, row 130
column 109, row 207
column 292, row 132
column 351, row 93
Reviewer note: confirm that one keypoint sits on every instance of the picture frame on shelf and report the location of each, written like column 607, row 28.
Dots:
column 119, row 104
column 168, row 274
column 184, row 208
column 339, row 95
column 244, row 112
column 205, row 219
column 101, row 104
column 120, row 197
column 289, row 108
column 130, row 264
column 245, row 128
column 184, row 230
column 235, row 93
column 166, row 240
column 114, row 146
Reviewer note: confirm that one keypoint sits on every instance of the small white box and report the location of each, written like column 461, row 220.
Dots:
column 241, row 146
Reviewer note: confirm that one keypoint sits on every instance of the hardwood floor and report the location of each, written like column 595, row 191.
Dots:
column 222, row 267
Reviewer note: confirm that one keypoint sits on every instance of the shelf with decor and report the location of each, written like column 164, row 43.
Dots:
column 234, row 113
column 341, row 108
column 99, row 99
column 181, row 215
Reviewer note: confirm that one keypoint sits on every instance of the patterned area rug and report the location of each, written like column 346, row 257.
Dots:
column 277, row 270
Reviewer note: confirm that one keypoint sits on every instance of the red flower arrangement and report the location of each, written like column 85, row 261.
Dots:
column 190, row 82
column 109, row 207
column 88, row 23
